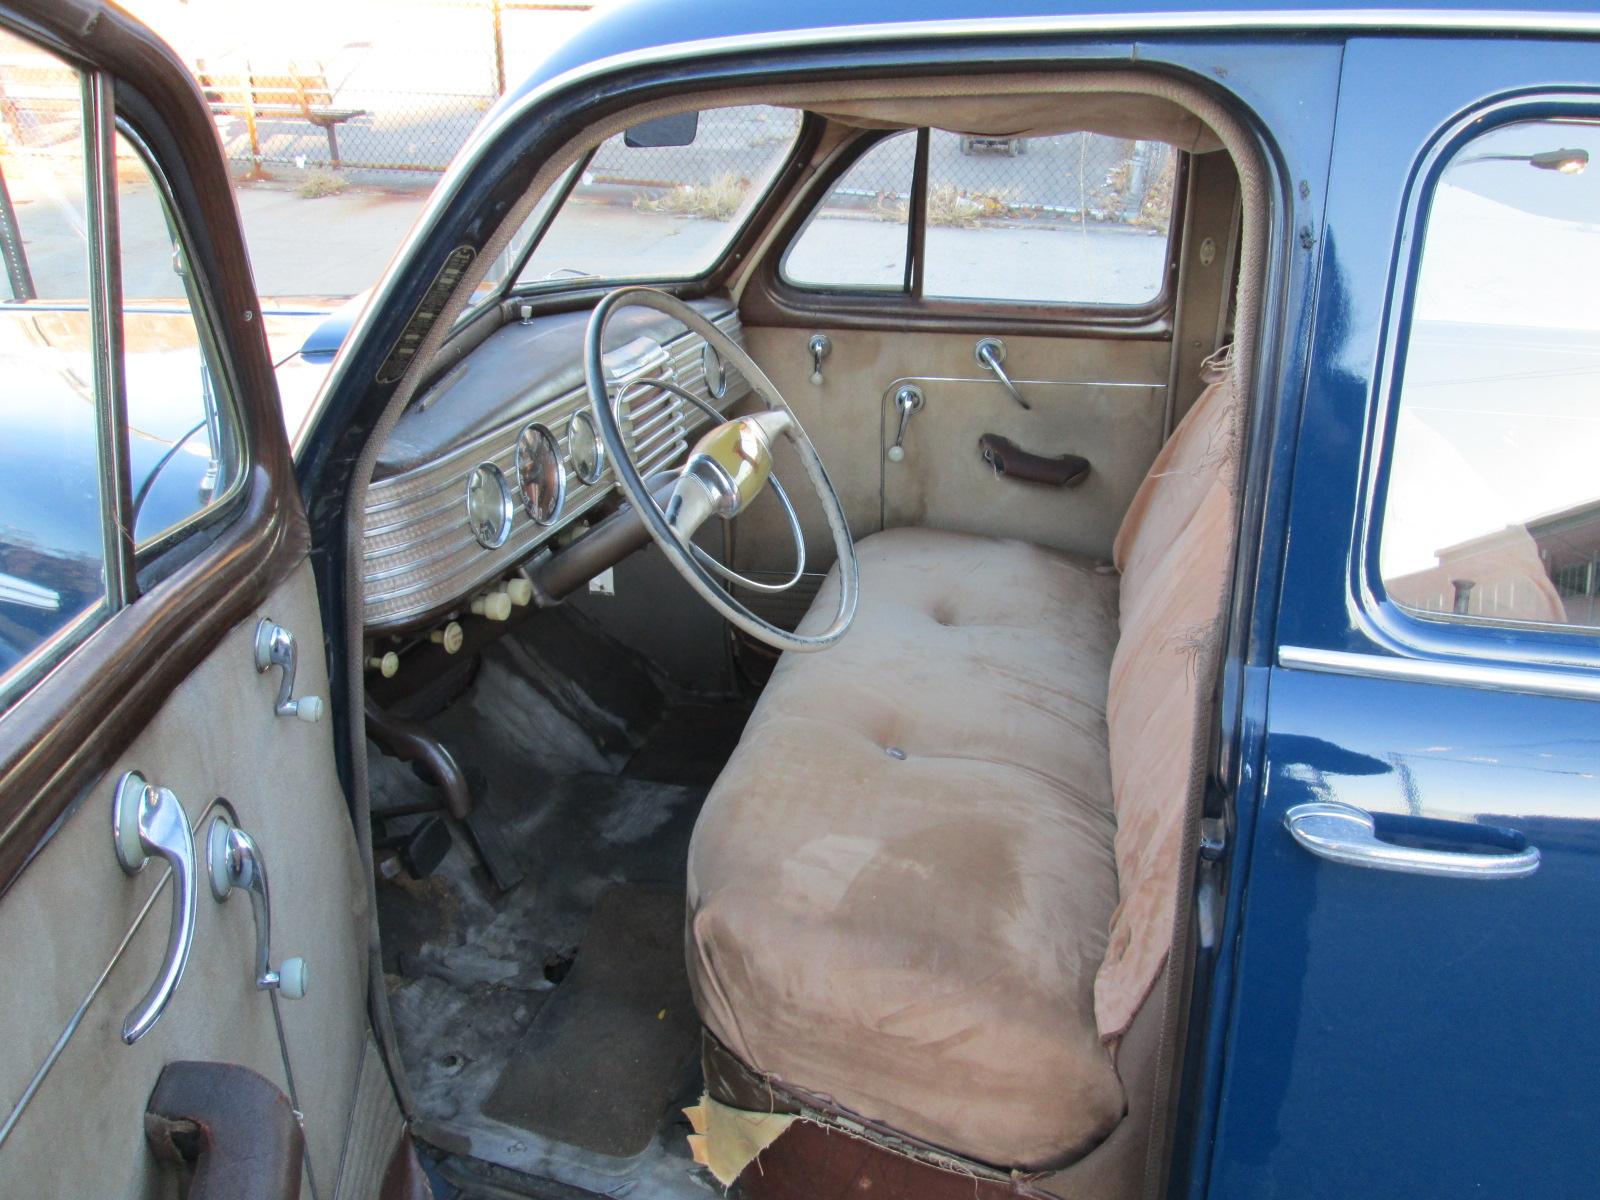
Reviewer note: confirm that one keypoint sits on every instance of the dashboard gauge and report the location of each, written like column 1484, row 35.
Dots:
column 541, row 478
column 583, row 444
column 489, row 505
column 716, row 375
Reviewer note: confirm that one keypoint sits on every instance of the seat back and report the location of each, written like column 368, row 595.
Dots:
column 1173, row 550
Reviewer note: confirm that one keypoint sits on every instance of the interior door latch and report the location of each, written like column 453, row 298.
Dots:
column 275, row 648
column 234, row 861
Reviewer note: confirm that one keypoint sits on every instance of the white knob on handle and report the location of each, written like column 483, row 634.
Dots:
column 293, row 978
column 309, row 709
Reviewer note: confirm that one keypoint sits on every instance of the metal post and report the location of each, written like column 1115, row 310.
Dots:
column 12, row 249
column 1138, row 182
column 495, row 8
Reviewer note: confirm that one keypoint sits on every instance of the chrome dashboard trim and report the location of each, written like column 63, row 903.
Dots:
column 1535, row 680
column 420, row 558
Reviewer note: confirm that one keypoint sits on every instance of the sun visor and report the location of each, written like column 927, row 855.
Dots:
column 1147, row 118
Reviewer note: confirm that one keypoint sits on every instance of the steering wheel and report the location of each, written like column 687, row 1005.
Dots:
column 726, row 470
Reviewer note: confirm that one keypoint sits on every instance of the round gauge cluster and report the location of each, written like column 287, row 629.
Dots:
column 489, row 505
column 541, row 477
column 583, row 444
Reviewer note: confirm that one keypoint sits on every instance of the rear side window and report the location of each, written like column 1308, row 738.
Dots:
column 665, row 200
column 1492, row 510
column 1075, row 219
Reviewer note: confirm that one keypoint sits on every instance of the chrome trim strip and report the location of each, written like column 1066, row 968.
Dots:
column 1538, row 681
column 105, row 322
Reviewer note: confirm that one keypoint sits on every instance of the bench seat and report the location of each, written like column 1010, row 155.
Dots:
column 938, row 875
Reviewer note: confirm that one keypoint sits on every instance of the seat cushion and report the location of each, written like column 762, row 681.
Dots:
column 900, row 887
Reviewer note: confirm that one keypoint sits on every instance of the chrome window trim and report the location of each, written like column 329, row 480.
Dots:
column 1420, row 636
column 105, row 325
column 200, row 311
column 1533, row 679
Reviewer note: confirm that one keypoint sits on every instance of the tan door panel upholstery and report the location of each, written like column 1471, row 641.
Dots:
column 65, row 916
column 943, row 482
column 903, row 887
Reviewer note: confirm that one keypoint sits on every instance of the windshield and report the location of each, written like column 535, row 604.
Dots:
column 642, row 209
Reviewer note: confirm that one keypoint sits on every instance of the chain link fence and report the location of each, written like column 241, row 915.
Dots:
column 374, row 90
column 1071, row 178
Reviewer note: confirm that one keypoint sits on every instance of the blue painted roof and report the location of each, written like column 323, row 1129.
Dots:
column 643, row 24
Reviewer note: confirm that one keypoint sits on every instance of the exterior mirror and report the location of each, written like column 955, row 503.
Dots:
column 679, row 129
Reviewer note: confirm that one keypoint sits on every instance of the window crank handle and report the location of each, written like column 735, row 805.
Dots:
column 908, row 401
column 991, row 352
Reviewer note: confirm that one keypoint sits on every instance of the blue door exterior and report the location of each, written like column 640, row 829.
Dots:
column 1395, row 1034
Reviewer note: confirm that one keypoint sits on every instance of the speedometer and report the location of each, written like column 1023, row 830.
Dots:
column 489, row 507
column 588, row 455
column 541, row 478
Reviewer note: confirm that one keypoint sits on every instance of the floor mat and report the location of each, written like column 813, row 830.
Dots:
column 607, row 1052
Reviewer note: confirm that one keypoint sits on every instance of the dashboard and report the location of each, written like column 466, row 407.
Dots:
column 498, row 459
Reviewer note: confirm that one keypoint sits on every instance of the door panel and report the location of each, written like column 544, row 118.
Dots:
column 1099, row 398
column 1396, row 1034
column 64, row 920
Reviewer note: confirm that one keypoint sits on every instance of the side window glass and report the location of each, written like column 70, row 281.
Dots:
column 856, row 238
column 183, row 454
column 1493, row 504
column 51, row 553
column 1076, row 218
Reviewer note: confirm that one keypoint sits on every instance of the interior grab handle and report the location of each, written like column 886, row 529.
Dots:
column 1343, row 833
column 991, row 352
column 148, row 821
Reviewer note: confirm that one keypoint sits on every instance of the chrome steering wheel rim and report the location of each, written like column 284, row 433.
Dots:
column 679, row 549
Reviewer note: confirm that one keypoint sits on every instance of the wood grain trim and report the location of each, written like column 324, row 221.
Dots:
column 58, row 739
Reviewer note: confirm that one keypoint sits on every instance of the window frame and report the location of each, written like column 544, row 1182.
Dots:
column 1409, row 631
column 885, row 307
column 129, row 569
column 158, row 557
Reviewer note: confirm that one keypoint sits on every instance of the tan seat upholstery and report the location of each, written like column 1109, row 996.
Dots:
column 902, row 886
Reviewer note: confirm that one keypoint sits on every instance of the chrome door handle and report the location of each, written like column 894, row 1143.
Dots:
column 234, row 861
column 1343, row 833
column 991, row 352
column 146, row 821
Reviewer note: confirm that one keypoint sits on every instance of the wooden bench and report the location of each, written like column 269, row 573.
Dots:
column 296, row 93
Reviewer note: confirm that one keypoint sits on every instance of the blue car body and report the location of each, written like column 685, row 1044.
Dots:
column 1353, row 1033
